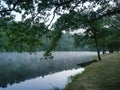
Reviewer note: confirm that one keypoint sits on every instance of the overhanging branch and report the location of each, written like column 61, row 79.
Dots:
column 11, row 9
column 108, row 13
column 53, row 16
column 61, row 3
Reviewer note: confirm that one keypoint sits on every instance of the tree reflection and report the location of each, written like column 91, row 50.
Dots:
column 15, row 68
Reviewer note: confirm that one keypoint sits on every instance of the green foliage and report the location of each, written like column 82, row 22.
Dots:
column 54, row 42
column 22, row 36
column 107, row 37
column 72, row 21
column 26, row 35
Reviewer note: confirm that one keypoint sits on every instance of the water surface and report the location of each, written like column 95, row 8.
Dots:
column 48, row 82
column 24, row 71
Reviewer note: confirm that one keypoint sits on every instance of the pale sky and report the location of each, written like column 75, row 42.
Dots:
column 18, row 16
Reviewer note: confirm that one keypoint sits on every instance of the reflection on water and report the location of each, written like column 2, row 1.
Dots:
column 48, row 82
column 19, row 67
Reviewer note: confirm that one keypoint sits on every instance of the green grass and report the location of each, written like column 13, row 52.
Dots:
column 102, row 75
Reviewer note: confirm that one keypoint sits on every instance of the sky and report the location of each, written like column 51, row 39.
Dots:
column 19, row 17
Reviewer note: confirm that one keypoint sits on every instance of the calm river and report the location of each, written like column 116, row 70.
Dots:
column 24, row 71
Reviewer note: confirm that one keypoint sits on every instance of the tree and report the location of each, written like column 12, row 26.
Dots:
column 91, row 35
column 107, row 36
column 39, row 11
column 113, row 24
column 21, row 36
column 29, row 5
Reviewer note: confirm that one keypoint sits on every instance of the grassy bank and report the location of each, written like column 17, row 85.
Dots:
column 102, row 75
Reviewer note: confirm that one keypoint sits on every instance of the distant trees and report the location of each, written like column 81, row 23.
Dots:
column 66, row 43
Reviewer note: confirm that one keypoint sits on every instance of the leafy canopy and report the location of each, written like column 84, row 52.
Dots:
column 31, row 29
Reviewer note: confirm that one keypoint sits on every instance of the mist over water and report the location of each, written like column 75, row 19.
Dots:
column 24, row 71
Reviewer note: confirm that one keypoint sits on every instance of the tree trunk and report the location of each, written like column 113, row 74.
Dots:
column 95, row 37
column 98, row 50
column 103, row 49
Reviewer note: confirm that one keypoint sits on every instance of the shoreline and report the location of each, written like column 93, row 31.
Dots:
column 99, row 75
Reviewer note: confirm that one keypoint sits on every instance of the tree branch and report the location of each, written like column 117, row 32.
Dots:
column 53, row 16
column 83, row 1
column 115, row 27
column 11, row 9
column 61, row 3
column 108, row 13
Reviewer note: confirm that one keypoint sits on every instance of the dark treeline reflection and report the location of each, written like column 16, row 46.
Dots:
column 17, row 67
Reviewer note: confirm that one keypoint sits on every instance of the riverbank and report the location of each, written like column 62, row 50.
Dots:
column 102, row 75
